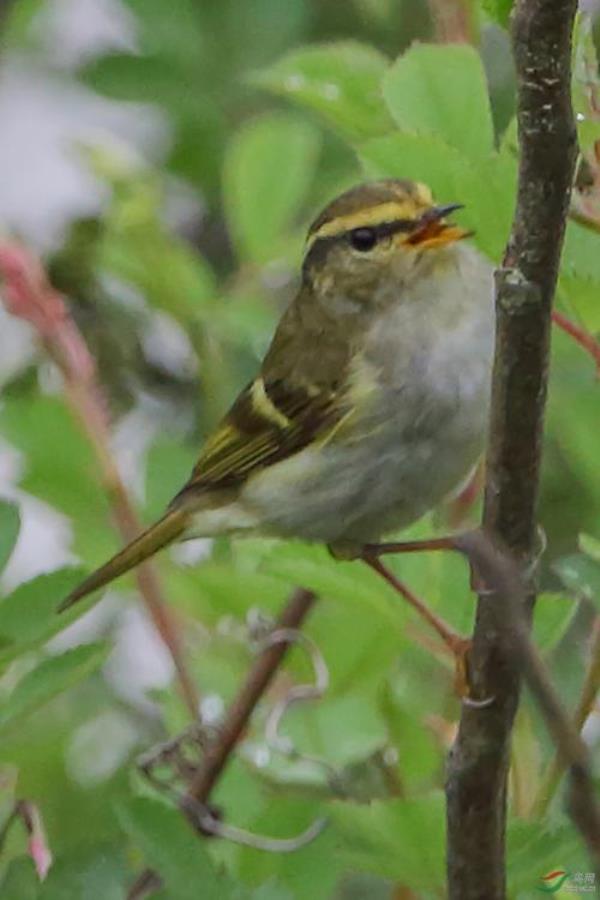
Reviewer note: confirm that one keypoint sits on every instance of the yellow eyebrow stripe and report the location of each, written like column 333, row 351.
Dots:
column 374, row 215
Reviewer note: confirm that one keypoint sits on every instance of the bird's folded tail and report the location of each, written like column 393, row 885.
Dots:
column 165, row 531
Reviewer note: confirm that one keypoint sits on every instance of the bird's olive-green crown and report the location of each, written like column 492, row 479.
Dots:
column 379, row 216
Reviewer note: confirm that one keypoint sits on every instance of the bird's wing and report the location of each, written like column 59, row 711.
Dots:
column 269, row 421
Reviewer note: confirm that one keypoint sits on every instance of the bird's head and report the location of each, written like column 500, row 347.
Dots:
column 376, row 235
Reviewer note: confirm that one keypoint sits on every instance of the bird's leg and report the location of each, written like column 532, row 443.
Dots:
column 447, row 542
column 458, row 645
column 451, row 638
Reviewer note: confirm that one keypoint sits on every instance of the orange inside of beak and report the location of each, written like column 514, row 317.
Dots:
column 437, row 234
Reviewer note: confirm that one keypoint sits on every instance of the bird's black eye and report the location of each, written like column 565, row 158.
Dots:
column 363, row 239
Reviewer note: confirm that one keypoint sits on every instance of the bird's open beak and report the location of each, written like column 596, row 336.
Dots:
column 432, row 231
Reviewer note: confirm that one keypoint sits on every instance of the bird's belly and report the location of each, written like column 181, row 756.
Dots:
column 403, row 460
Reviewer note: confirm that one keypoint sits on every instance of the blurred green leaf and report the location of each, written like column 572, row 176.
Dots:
column 400, row 839
column 211, row 590
column 580, row 574
column 580, row 257
column 580, row 298
column 271, row 891
column 98, row 871
column 535, row 848
column 169, row 845
column 20, row 881
column 138, row 247
column 498, row 10
column 442, row 90
column 51, row 677
column 259, row 207
column 60, row 467
column 553, row 615
column 10, row 522
column 590, row 546
column 418, row 756
column 486, row 190
column 18, row 19
column 585, row 82
column 28, row 616
column 169, row 463
column 138, row 79
column 348, row 582
column 312, row 871
column 341, row 82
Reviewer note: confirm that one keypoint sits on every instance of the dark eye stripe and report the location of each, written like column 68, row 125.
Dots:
column 384, row 229
column 365, row 237
column 321, row 246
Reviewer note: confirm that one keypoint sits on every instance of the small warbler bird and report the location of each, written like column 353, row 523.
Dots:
column 371, row 404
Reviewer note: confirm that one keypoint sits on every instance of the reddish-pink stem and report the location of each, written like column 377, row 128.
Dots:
column 580, row 335
column 28, row 295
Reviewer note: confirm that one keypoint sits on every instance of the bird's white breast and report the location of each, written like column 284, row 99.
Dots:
column 424, row 376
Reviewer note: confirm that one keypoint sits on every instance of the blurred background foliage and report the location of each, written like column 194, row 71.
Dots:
column 168, row 180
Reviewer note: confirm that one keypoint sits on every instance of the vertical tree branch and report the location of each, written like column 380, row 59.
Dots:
column 476, row 782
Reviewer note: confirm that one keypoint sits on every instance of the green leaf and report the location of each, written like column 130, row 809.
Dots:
column 498, row 10
column 260, row 207
column 10, row 522
column 137, row 79
column 137, row 247
column 341, row 82
column 60, row 467
column 83, row 871
column 28, row 616
column 347, row 582
column 418, row 755
column 580, row 257
column 579, row 298
column 271, row 891
column 312, row 872
column 553, row 615
column 400, row 839
column 20, row 881
column 580, row 574
column 170, row 846
column 486, row 190
column 549, row 847
column 52, row 677
column 17, row 30
column 585, row 82
column 442, row 90
column 590, row 546
column 168, row 465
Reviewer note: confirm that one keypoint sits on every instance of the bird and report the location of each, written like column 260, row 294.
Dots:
column 371, row 404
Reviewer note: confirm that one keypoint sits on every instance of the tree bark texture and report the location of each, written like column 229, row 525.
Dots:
column 525, row 284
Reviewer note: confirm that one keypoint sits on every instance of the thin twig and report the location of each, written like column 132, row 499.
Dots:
column 195, row 803
column 240, row 711
column 452, row 20
column 29, row 296
column 37, row 844
column 525, row 285
column 585, row 706
column 582, row 337
column 585, row 220
column 503, row 579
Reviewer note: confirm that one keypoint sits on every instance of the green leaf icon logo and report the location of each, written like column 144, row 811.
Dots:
column 553, row 881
